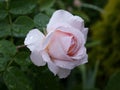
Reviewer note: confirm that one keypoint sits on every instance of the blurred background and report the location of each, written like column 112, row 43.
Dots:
column 102, row 72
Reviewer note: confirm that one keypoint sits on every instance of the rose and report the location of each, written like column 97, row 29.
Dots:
column 63, row 48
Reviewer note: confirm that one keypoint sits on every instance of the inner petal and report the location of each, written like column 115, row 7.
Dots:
column 73, row 47
column 59, row 45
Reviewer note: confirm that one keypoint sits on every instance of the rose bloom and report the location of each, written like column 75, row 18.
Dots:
column 63, row 48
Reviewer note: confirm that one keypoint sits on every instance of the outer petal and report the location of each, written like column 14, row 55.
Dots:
column 34, row 39
column 37, row 58
column 65, row 64
column 62, row 16
column 72, row 64
column 85, row 32
column 53, row 68
column 47, row 39
column 82, row 60
column 77, row 22
column 78, row 34
column 80, row 54
column 63, row 73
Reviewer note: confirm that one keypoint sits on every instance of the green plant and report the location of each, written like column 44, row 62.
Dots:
column 107, row 31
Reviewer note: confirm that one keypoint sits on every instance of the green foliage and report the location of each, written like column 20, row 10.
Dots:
column 6, row 47
column 22, row 6
column 4, row 29
column 24, row 60
column 5, row 53
column 18, row 17
column 3, row 63
column 22, row 25
column 89, row 76
column 107, row 31
column 45, row 4
column 3, row 14
column 114, row 82
column 41, row 21
column 16, row 80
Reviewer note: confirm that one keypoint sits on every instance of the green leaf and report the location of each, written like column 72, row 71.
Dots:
column 16, row 80
column 86, row 5
column 4, row 29
column 45, row 4
column 2, row 0
column 92, row 89
column 3, row 14
column 89, row 77
column 22, row 6
column 22, row 25
column 49, row 11
column 45, row 79
column 7, row 48
column 82, row 15
column 92, row 44
column 2, row 5
column 114, row 82
column 22, row 59
column 3, row 63
column 41, row 21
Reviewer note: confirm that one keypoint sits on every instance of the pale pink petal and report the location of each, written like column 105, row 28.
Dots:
column 34, row 39
column 63, row 39
column 45, row 56
column 37, row 58
column 71, row 64
column 56, row 50
column 63, row 73
column 76, row 22
column 80, row 54
column 47, row 40
column 53, row 68
column 65, row 64
column 60, row 16
column 66, row 42
column 78, row 34
column 82, row 60
column 85, row 32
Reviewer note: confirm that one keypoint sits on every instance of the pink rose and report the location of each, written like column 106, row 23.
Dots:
column 63, row 48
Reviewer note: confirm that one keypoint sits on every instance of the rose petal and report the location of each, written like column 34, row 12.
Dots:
column 34, row 39
column 47, row 39
column 36, row 58
column 63, row 39
column 56, row 50
column 85, row 32
column 60, row 16
column 66, row 42
column 72, row 64
column 45, row 56
column 63, row 73
column 82, row 60
column 78, row 34
column 77, row 22
column 65, row 64
column 80, row 54
column 53, row 68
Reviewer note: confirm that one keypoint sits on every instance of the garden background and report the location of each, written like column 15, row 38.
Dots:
column 18, row 17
